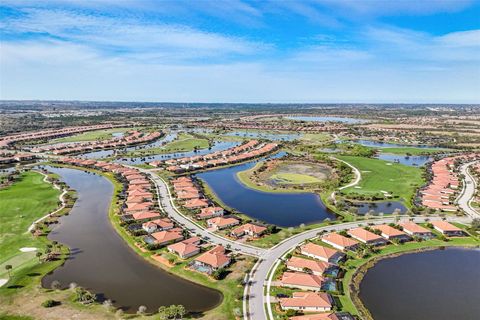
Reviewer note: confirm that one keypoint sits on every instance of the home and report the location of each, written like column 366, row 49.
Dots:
column 391, row 233
column 249, row 229
column 141, row 216
column 340, row 242
column 308, row 302
column 210, row 212
column 186, row 248
column 322, row 253
column 315, row 267
column 447, row 229
column 157, row 225
column 212, row 260
column 164, row 237
column 302, row 281
column 415, row 230
column 196, row 203
column 366, row 236
column 219, row 223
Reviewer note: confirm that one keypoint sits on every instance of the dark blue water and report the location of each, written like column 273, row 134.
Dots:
column 329, row 119
column 432, row 285
column 415, row 161
column 388, row 207
column 282, row 209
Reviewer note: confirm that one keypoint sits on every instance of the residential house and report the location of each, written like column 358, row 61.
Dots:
column 308, row 302
column 219, row 223
column 321, row 253
column 249, row 229
column 366, row 237
column 447, row 229
column 340, row 242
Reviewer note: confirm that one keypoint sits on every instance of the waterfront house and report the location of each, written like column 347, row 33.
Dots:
column 447, row 229
column 391, row 233
column 210, row 212
column 140, row 216
column 300, row 280
column 315, row 267
column 415, row 230
column 249, row 229
column 212, row 260
column 339, row 242
column 308, row 302
column 321, row 253
column 165, row 237
column 219, row 223
column 366, row 236
column 186, row 248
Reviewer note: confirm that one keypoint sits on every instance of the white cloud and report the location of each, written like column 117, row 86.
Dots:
column 129, row 35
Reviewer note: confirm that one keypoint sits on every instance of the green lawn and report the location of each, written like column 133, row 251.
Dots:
column 378, row 175
column 92, row 135
column 294, row 178
column 20, row 204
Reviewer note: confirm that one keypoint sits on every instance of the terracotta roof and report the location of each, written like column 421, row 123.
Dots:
column 363, row 234
column 314, row 265
column 166, row 236
column 221, row 221
column 388, row 230
column 307, row 299
column 249, row 227
column 445, row 226
column 215, row 257
column 318, row 250
column 302, row 279
column 319, row 316
column 413, row 227
column 339, row 240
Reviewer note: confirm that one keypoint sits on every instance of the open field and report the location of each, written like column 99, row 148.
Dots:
column 20, row 204
column 92, row 135
column 377, row 175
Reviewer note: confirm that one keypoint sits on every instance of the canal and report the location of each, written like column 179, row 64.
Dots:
column 102, row 262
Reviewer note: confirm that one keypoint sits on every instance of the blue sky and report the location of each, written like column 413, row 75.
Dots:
column 241, row 51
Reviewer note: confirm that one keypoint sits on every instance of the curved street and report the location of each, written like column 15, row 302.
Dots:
column 469, row 187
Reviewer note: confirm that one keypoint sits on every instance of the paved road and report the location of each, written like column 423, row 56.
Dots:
column 257, row 281
column 469, row 187
column 165, row 201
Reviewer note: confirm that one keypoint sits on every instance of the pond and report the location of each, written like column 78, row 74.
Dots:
column 275, row 136
column 387, row 207
column 415, row 161
column 282, row 209
column 102, row 262
column 328, row 119
column 430, row 285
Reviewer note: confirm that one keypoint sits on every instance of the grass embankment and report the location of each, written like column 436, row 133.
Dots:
column 92, row 135
column 185, row 142
column 378, row 175
column 21, row 203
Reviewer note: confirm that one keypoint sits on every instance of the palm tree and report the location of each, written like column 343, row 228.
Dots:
column 8, row 267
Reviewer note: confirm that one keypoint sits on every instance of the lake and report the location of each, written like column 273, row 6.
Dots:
column 431, row 285
column 415, row 161
column 329, row 119
column 282, row 209
column 102, row 262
